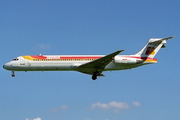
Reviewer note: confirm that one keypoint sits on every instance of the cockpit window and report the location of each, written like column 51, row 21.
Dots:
column 15, row 59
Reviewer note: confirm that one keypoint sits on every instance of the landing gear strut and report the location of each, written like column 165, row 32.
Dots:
column 13, row 75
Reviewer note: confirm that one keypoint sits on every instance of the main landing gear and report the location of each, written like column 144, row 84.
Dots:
column 13, row 75
column 94, row 77
column 95, row 74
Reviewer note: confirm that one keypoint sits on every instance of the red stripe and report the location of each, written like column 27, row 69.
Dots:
column 38, row 57
column 90, row 57
column 66, row 57
column 80, row 57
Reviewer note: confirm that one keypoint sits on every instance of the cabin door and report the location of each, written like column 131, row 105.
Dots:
column 22, row 61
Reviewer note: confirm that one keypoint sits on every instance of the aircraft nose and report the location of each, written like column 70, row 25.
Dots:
column 6, row 66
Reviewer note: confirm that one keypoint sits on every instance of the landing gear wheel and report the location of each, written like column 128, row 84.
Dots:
column 95, row 74
column 94, row 77
column 13, row 75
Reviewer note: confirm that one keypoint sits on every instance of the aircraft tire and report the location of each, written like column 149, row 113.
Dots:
column 13, row 75
column 94, row 77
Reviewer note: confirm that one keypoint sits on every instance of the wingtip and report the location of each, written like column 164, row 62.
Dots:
column 172, row 37
column 120, row 50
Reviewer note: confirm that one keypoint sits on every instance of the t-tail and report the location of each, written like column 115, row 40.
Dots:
column 152, row 47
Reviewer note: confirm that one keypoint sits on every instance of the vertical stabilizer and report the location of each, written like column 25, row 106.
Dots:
column 152, row 47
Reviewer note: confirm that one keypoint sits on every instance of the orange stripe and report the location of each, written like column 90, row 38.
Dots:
column 28, row 57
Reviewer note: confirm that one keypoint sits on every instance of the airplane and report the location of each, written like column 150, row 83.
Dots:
column 89, row 64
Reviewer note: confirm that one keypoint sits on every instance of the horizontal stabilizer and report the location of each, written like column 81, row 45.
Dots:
column 155, row 41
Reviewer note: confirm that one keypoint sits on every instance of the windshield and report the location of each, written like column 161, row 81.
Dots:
column 15, row 59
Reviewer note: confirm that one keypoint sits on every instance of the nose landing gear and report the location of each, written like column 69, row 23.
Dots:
column 13, row 75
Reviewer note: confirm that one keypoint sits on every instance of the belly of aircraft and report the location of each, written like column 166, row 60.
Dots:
column 45, row 67
column 67, row 66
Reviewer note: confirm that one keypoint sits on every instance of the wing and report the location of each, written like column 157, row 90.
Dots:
column 97, row 65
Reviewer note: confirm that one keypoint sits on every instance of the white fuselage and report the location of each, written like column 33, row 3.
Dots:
column 69, row 63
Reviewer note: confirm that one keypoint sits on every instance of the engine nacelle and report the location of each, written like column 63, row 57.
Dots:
column 126, row 60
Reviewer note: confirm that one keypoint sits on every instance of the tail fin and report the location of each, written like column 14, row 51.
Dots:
column 152, row 47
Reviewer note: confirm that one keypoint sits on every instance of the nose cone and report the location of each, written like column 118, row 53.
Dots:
column 6, row 66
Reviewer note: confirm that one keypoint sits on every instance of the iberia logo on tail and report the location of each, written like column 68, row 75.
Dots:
column 150, row 51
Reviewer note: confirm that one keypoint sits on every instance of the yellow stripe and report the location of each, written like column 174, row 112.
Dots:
column 151, row 60
column 28, row 57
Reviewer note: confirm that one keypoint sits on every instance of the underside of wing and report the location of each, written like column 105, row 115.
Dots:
column 97, row 66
